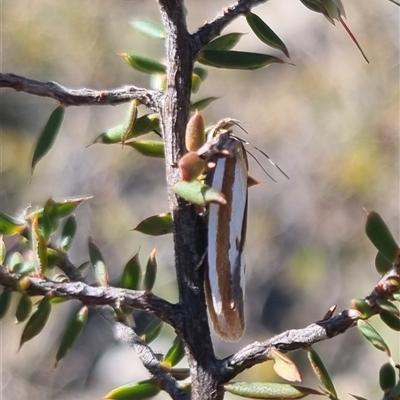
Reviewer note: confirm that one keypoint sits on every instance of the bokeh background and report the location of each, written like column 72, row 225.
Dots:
column 331, row 122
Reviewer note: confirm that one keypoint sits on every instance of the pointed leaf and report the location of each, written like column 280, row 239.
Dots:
column 382, row 264
column 5, row 301
column 37, row 321
column 321, row 372
column 144, row 64
column 50, row 219
column 24, row 308
column 224, row 42
column 153, row 330
column 72, row 331
column 203, row 103
column 373, row 336
column 387, row 377
column 175, row 353
column 196, row 192
column 156, row 225
column 145, row 124
column 363, row 307
column 48, row 135
column 130, row 120
column 135, row 391
column 10, row 225
column 265, row 33
column 236, row 59
column 149, row 29
column 269, row 390
column 381, row 237
column 149, row 148
column 97, row 260
column 388, row 306
column 391, row 320
column 68, row 233
column 151, row 272
column 201, row 72
column 196, row 83
column 357, row 397
column 132, row 274
column 2, row 250
column 39, row 248
column 284, row 366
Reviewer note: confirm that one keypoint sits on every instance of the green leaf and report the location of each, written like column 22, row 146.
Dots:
column 363, row 307
column 37, row 321
column 388, row 306
column 97, row 260
column 373, row 336
column 48, row 135
column 50, row 219
column 24, row 308
column 224, row 42
column 149, row 148
column 201, row 72
column 130, row 120
column 135, row 391
column 391, row 320
column 196, row 192
column 196, row 83
column 321, row 372
column 71, row 333
column 202, row 103
column 357, row 397
column 382, row 264
column 68, row 233
column 39, row 248
column 132, row 274
column 236, row 59
column 265, row 33
column 145, row 124
column 153, row 330
column 149, row 29
column 151, row 272
column 284, row 366
column 144, row 64
column 269, row 390
column 25, row 268
column 387, row 377
column 10, row 225
column 175, row 353
column 381, row 237
column 5, row 301
column 2, row 250
column 156, row 225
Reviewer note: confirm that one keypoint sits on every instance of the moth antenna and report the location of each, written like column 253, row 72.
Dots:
column 237, row 123
column 273, row 163
column 258, row 162
column 395, row 2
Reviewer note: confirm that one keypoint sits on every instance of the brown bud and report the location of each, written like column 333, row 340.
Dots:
column 191, row 166
column 195, row 132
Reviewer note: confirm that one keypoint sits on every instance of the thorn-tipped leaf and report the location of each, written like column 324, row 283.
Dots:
column 156, row 225
column 48, row 135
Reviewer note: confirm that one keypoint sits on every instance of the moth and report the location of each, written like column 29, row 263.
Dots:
column 224, row 158
column 225, row 282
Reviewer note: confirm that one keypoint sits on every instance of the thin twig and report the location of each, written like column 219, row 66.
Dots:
column 212, row 29
column 81, row 97
column 95, row 296
column 127, row 336
column 295, row 339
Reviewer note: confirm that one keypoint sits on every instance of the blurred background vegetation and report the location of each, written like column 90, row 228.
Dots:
column 331, row 122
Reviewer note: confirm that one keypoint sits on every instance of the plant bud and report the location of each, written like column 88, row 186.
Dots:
column 195, row 132
column 191, row 165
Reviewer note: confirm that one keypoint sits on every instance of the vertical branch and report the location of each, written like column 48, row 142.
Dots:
column 189, row 230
